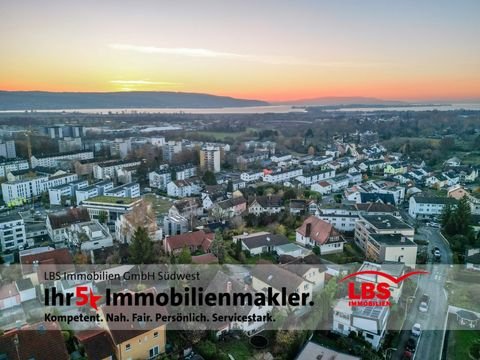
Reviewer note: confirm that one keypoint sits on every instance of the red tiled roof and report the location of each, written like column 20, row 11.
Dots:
column 51, row 260
column 38, row 341
column 68, row 217
column 321, row 231
column 196, row 238
column 205, row 259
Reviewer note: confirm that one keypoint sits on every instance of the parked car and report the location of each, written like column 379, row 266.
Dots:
column 437, row 254
column 424, row 303
column 407, row 355
column 416, row 329
column 434, row 225
column 411, row 344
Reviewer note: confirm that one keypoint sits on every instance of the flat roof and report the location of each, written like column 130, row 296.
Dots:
column 392, row 240
column 111, row 200
column 385, row 222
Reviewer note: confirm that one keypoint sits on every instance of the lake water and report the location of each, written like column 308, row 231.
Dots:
column 257, row 109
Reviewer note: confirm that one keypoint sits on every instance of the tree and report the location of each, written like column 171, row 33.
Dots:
column 218, row 247
column 185, row 257
column 209, row 178
column 102, row 217
column 80, row 258
column 141, row 249
column 290, row 193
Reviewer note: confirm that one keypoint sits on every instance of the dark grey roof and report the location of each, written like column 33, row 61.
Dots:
column 265, row 240
column 434, row 200
column 392, row 240
column 24, row 284
column 386, row 222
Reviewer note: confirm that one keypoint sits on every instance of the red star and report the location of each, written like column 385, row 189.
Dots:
column 93, row 299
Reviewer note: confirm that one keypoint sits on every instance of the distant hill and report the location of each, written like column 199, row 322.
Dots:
column 338, row 100
column 42, row 100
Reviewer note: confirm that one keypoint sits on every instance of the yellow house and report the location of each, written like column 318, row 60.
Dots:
column 134, row 339
column 394, row 169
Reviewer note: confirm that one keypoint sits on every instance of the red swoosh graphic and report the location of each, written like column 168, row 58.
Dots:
column 388, row 276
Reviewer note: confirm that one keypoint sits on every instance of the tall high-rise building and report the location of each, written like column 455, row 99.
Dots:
column 7, row 149
column 210, row 158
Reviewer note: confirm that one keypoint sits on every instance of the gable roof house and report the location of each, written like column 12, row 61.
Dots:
column 36, row 341
column 317, row 232
column 262, row 242
column 197, row 240
column 270, row 204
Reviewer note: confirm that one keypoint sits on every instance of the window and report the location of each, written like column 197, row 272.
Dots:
column 155, row 334
column 153, row 352
column 127, row 347
column 369, row 336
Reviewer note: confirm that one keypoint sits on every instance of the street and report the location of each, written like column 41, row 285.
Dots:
column 430, row 344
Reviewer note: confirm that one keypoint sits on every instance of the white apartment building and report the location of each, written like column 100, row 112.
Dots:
column 7, row 149
column 422, row 207
column 343, row 218
column 282, row 176
column 96, row 189
column 7, row 166
column 12, row 232
column 33, row 187
column 56, row 193
column 53, row 160
column 316, row 176
column 107, row 170
column 380, row 224
column 251, row 176
column 131, row 190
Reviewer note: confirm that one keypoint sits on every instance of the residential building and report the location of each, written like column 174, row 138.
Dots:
column 90, row 235
column 210, row 158
column 107, row 170
column 7, row 149
column 382, row 225
column 394, row 269
column 35, row 341
column 262, row 242
column 97, row 343
column 170, row 149
column 393, row 169
column 370, row 322
column 317, row 232
column 160, row 179
column 314, row 177
column 131, row 190
column 9, row 165
column 251, row 158
column 12, row 232
column 33, row 186
column 47, row 258
column 270, row 204
column 54, row 159
column 141, row 216
column 138, row 341
column 59, row 194
column 424, row 207
column 322, row 187
column 69, row 144
column 59, row 223
column 120, row 148
column 472, row 259
column 175, row 224
column 229, row 208
column 96, row 189
column 251, row 176
column 342, row 217
column 383, row 248
column 312, row 351
column 282, row 175
column 61, row 131
column 193, row 241
column 183, row 188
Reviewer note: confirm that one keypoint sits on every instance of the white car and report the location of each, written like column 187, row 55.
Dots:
column 416, row 329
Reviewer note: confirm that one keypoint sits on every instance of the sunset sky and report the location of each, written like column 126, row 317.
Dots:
column 269, row 50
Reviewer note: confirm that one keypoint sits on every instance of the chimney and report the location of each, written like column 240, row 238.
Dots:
column 308, row 230
column 229, row 286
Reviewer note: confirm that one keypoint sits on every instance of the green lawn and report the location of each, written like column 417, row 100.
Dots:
column 239, row 349
column 160, row 205
column 460, row 343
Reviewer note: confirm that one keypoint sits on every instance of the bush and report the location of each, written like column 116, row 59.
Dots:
column 207, row 349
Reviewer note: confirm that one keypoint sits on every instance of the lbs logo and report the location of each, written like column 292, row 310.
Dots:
column 374, row 293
